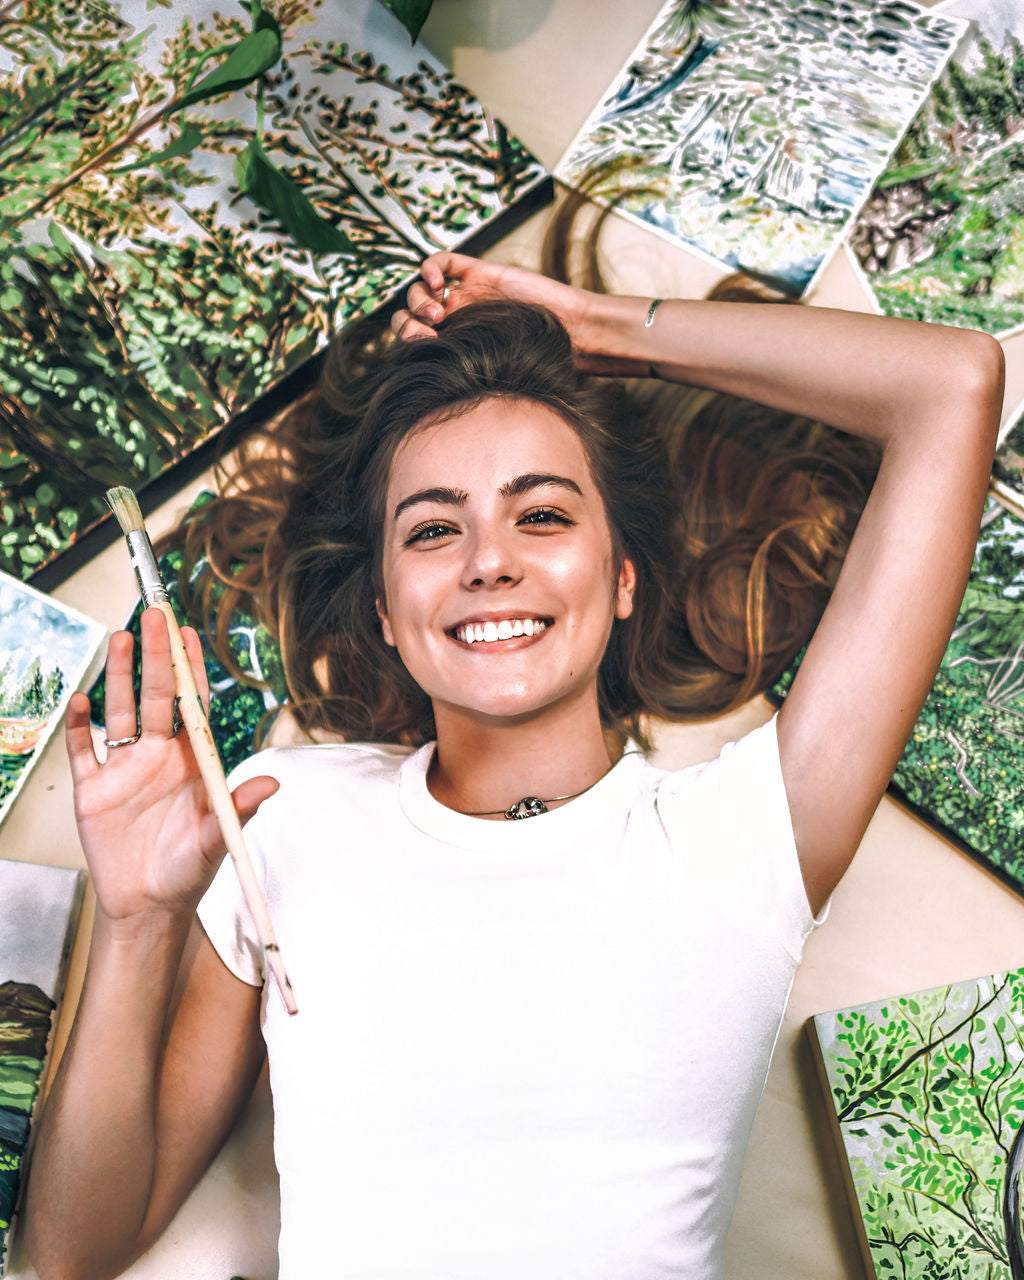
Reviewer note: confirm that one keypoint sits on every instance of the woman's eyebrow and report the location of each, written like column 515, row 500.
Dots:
column 451, row 497
column 536, row 480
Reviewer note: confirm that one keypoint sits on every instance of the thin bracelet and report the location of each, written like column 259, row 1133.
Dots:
column 651, row 310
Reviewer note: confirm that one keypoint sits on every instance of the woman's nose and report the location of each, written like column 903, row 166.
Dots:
column 491, row 560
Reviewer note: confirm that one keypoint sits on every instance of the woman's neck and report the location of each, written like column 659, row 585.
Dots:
column 484, row 767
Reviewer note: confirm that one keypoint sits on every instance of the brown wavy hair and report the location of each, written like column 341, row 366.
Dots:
column 735, row 517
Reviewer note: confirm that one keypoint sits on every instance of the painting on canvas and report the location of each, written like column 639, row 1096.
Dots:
column 752, row 131
column 1008, row 467
column 40, row 908
column 942, row 236
column 145, row 301
column 45, row 651
column 926, row 1092
column 963, row 768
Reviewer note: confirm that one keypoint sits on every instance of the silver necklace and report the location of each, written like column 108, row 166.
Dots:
column 528, row 807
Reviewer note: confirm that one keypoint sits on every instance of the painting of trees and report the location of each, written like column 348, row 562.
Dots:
column 927, row 1095
column 189, row 208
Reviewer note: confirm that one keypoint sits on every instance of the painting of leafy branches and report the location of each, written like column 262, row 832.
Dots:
column 963, row 769
column 927, row 1095
column 189, row 207
column 753, row 131
column 942, row 236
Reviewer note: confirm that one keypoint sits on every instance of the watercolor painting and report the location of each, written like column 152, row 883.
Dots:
column 926, row 1094
column 41, row 906
column 194, row 203
column 45, row 651
column 942, row 236
column 963, row 768
column 752, row 132
column 1008, row 467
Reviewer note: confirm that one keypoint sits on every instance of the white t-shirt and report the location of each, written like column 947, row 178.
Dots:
column 524, row 1050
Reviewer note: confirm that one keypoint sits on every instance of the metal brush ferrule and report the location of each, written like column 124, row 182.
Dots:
column 147, row 572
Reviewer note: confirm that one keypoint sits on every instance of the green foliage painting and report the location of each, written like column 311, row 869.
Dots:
column 189, row 207
column 927, row 1094
column 942, row 236
column 963, row 769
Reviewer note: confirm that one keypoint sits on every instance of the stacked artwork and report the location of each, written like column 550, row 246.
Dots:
column 40, row 913
column 45, row 650
column 926, row 1093
column 143, row 301
column 942, row 236
column 752, row 131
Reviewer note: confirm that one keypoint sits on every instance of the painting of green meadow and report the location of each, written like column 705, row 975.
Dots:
column 926, row 1093
column 192, row 203
column 963, row 769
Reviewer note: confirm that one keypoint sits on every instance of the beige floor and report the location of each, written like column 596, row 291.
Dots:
column 913, row 912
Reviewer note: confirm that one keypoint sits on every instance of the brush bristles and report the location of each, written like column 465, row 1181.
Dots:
column 125, row 506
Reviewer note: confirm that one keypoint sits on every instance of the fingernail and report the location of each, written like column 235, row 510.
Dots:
column 436, row 311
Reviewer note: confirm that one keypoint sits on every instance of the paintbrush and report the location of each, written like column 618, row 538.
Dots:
column 125, row 506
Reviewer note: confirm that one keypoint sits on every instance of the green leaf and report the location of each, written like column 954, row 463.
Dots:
column 279, row 196
column 411, row 14
column 183, row 145
column 246, row 62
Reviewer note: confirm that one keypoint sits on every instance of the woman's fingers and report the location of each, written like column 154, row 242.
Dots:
column 406, row 326
column 156, row 701
column 78, row 736
column 119, row 714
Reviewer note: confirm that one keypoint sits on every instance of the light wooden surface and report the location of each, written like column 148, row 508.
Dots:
column 913, row 912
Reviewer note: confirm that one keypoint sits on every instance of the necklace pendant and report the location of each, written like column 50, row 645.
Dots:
column 528, row 807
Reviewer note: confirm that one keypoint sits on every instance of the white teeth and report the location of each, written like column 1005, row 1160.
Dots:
column 527, row 626
column 517, row 627
column 490, row 631
column 479, row 632
column 504, row 630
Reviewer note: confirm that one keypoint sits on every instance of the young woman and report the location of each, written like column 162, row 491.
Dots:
column 516, row 1052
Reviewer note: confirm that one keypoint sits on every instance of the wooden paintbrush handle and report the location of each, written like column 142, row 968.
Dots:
column 205, row 751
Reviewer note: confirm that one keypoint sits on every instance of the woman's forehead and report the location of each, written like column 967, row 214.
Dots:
column 489, row 445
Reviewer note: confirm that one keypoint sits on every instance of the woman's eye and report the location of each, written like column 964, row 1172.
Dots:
column 545, row 515
column 429, row 532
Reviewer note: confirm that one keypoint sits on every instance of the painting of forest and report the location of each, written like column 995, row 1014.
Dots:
column 927, row 1095
column 963, row 769
column 45, row 650
column 942, row 236
column 753, row 131
column 39, row 907
column 192, row 203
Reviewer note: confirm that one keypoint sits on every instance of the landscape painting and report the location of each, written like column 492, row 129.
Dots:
column 45, row 651
column 963, row 768
column 194, row 200
column 40, row 907
column 942, row 236
column 753, row 131
column 926, row 1093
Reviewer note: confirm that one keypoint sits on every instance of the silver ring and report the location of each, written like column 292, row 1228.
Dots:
column 122, row 742
column 445, row 292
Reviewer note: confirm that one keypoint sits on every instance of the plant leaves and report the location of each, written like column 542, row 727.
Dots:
column 183, row 145
column 246, row 62
column 411, row 14
column 269, row 188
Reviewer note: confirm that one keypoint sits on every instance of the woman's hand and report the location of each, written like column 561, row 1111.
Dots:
column 149, row 834
column 451, row 280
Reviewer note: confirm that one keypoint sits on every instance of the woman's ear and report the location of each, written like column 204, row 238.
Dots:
column 385, row 626
column 624, row 589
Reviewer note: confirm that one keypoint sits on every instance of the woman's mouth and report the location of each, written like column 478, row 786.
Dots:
column 506, row 629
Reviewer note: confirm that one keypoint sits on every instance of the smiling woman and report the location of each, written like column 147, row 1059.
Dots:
column 486, row 567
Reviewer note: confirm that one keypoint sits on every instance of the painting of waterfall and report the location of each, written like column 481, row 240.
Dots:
column 753, row 132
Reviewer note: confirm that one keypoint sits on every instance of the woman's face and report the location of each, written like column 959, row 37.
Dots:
column 500, row 582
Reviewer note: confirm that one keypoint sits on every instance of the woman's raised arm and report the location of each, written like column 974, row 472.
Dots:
column 929, row 396
column 166, row 1043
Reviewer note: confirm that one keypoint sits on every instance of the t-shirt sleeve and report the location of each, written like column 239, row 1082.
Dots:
column 732, row 814
column 223, row 913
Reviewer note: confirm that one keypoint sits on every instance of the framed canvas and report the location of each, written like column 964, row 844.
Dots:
column 963, row 769
column 172, row 252
column 752, row 131
column 1008, row 467
column 940, row 236
column 45, row 652
column 40, row 907
column 926, row 1096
